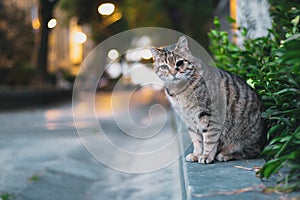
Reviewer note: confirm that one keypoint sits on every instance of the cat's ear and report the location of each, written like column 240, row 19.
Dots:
column 182, row 44
column 155, row 52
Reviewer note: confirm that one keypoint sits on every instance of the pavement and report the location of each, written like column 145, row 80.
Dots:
column 230, row 180
column 42, row 157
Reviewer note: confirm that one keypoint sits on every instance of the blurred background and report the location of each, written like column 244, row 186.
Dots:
column 43, row 42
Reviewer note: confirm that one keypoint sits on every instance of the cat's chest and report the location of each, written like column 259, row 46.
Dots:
column 185, row 104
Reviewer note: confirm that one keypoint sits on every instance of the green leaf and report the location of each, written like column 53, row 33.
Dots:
column 292, row 44
column 287, row 90
column 230, row 20
column 282, row 119
column 295, row 21
column 287, row 141
column 292, row 61
column 271, row 167
column 290, row 55
column 274, row 129
column 217, row 23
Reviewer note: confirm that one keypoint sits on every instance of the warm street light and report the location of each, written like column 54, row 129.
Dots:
column 36, row 24
column 52, row 23
column 106, row 9
column 79, row 37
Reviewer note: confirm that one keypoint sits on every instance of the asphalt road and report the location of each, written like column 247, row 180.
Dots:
column 42, row 157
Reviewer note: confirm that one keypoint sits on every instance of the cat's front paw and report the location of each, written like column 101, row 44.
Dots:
column 223, row 158
column 206, row 159
column 192, row 157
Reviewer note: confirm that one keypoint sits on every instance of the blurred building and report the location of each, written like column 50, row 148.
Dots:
column 69, row 43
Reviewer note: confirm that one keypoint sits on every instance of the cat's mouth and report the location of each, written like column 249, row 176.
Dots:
column 178, row 76
column 174, row 78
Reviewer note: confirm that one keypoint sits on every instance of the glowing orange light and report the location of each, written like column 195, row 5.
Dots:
column 36, row 23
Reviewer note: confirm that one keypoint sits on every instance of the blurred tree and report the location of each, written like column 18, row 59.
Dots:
column 46, row 10
column 190, row 17
column 16, row 44
column 86, row 12
column 151, row 14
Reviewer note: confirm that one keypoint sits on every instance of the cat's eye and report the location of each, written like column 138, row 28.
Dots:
column 179, row 63
column 164, row 67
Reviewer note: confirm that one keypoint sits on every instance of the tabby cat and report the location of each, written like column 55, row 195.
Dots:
column 189, row 86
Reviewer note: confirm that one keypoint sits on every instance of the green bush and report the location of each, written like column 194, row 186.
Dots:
column 271, row 65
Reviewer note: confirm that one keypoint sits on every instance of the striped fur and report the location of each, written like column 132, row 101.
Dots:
column 240, row 135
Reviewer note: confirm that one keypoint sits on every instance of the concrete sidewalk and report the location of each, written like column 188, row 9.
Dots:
column 42, row 158
column 228, row 180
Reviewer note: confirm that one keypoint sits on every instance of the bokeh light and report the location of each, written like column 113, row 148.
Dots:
column 106, row 8
column 79, row 37
column 113, row 54
column 36, row 23
column 52, row 23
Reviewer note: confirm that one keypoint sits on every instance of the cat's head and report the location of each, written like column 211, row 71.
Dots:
column 173, row 63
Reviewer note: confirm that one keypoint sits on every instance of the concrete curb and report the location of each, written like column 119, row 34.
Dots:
column 225, row 180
